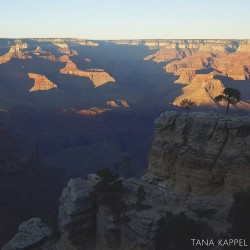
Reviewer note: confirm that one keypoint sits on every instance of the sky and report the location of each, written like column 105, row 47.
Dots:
column 125, row 19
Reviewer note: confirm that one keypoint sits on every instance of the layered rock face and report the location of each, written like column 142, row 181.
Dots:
column 230, row 58
column 201, row 153
column 191, row 59
column 77, row 212
column 44, row 54
column 97, row 76
column 87, row 226
column 15, row 52
column 31, row 234
column 196, row 163
column 41, row 82
column 202, row 90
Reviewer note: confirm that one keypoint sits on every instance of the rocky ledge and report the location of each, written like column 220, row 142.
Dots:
column 196, row 164
column 30, row 234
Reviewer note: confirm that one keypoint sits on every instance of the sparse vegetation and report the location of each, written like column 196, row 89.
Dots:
column 140, row 195
column 109, row 190
column 230, row 96
column 187, row 104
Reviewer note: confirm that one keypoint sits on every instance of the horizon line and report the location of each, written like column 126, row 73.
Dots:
column 121, row 39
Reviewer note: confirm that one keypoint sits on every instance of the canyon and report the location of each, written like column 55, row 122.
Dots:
column 196, row 163
column 206, row 66
column 78, row 105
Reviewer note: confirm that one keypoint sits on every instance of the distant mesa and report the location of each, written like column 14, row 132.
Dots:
column 57, row 41
column 39, row 51
column 41, row 82
column 165, row 55
column 92, row 111
column 64, row 48
column 117, row 104
column 60, row 43
column 95, row 111
column 97, row 76
column 88, row 43
column 44, row 54
column 67, row 51
column 15, row 52
column 185, row 57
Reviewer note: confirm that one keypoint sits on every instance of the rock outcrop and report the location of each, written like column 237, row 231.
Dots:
column 95, row 111
column 41, row 82
column 196, row 163
column 118, row 104
column 199, row 147
column 97, row 76
column 44, row 54
column 202, row 89
column 77, row 212
column 185, row 57
column 15, row 52
column 31, row 234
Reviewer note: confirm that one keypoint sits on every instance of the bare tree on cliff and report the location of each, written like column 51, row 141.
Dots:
column 229, row 95
column 187, row 104
column 140, row 195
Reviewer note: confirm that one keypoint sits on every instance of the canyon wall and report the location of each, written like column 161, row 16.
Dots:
column 196, row 163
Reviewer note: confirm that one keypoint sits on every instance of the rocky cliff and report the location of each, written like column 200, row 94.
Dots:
column 196, row 163
column 186, row 57
column 191, row 60
column 202, row 89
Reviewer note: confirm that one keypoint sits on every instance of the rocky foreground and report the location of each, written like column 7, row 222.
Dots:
column 197, row 162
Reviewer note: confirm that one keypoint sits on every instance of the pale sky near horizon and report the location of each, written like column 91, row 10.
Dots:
column 125, row 19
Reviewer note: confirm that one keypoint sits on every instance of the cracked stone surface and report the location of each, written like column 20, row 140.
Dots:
column 31, row 233
column 201, row 153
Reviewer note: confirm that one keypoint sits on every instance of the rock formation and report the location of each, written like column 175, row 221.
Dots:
column 117, row 104
column 31, row 234
column 43, row 54
column 92, row 111
column 64, row 48
column 41, row 82
column 165, row 55
column 15, row 52
column 97, row 76
column 235, row 65
column 60, row 43
column 202, row 89
column 219, row 145
column 185, row 57
column 196, row 163
column 77, row 212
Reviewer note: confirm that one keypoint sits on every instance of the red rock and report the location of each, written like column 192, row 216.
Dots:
column 97, row 76
column 41, row 82
column 202, row 90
